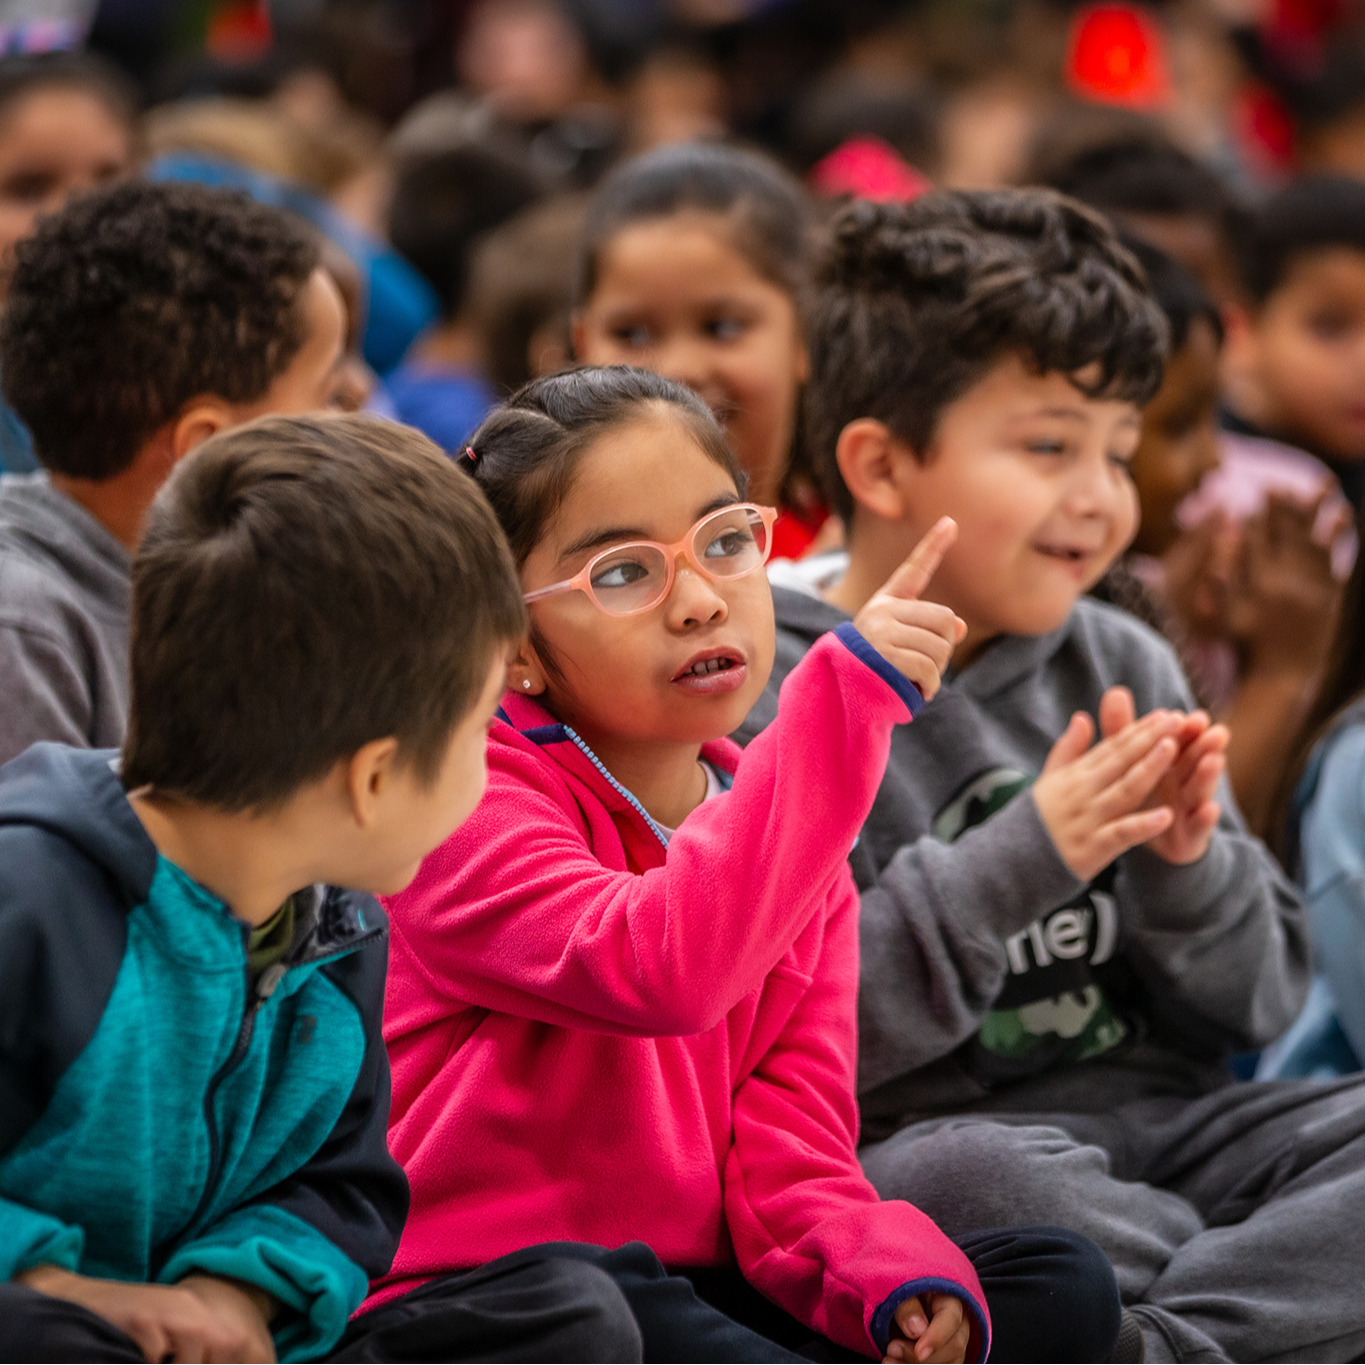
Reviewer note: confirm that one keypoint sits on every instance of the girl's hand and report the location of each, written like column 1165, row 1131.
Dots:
column 1285, row 600
column 1199, row 570
column 917, row 638
column 936, row 1328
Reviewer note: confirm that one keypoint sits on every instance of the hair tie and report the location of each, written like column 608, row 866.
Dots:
column 471, row 455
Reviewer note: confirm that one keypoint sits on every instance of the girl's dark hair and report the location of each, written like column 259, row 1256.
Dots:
column 444, row 201
column 770, row 210
column 525, row 453
column 1143, row 172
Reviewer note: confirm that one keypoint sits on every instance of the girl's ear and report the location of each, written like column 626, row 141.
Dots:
column 524, row 672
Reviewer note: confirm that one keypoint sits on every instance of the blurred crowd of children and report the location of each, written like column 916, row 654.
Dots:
column 801, row 571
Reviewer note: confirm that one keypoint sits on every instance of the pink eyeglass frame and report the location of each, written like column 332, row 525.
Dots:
column 582, row 580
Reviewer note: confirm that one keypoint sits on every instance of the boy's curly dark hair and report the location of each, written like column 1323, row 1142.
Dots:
column 136, row 298
column 913, row 303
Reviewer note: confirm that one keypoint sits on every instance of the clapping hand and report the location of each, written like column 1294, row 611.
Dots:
column 1188, row 786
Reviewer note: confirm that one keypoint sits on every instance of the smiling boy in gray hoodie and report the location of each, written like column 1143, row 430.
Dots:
column 1062, row 939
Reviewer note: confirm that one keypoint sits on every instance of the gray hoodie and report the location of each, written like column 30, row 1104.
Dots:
column 64, row 620
column 992, row 979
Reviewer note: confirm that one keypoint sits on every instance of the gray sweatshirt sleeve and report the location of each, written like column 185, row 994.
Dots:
column 933, row 928
column 43, row 690
column 1221, row 944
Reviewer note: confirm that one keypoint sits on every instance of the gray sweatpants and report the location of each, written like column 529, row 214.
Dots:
column 1235, row 1222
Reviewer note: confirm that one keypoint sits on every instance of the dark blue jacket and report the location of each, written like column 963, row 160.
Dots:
column 158, row 1118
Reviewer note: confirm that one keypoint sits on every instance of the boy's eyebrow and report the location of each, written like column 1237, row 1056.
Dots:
column 590, row 540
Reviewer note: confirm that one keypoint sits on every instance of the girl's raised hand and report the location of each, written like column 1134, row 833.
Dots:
column 917, row 638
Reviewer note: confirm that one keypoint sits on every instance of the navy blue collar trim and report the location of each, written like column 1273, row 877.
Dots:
column 546, row 734
column 537, row 734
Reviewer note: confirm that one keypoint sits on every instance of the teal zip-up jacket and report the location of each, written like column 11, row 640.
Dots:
column 159, row 1118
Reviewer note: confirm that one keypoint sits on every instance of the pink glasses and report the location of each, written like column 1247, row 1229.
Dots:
column 637, row 576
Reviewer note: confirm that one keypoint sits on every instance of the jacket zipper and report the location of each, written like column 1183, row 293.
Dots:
column 265, row 988
column 616, row 786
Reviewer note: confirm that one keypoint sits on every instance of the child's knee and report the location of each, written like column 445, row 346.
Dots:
column 1082, row 1294
column 1053, row 1293
column 981, row 1174
column 604, row 1327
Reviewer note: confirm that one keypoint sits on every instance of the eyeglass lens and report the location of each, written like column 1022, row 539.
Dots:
column 729, row 544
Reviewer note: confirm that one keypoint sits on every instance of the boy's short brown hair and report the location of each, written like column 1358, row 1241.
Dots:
column 306, row 585
column 914, row 303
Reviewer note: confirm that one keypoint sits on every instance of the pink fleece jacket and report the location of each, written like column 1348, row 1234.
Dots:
column 599, row 1037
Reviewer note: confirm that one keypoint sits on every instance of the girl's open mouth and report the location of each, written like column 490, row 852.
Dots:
column 713, row 672
column 709, row 666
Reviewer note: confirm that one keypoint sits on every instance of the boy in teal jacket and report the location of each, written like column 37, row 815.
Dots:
column 194, row 1091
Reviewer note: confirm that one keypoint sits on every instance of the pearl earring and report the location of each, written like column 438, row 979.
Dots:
column 526, row 683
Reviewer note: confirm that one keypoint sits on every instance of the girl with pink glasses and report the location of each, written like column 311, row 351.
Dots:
column 621, row 1002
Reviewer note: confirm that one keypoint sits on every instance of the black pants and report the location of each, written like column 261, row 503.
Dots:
column 1051, row 1294
column 530, row 1306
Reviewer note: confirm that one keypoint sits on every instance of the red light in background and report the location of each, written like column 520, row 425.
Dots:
column 1117, row 55
column 239, row 30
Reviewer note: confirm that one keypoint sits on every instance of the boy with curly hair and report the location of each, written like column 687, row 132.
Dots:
column 141, row 320
column 1062, row 940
